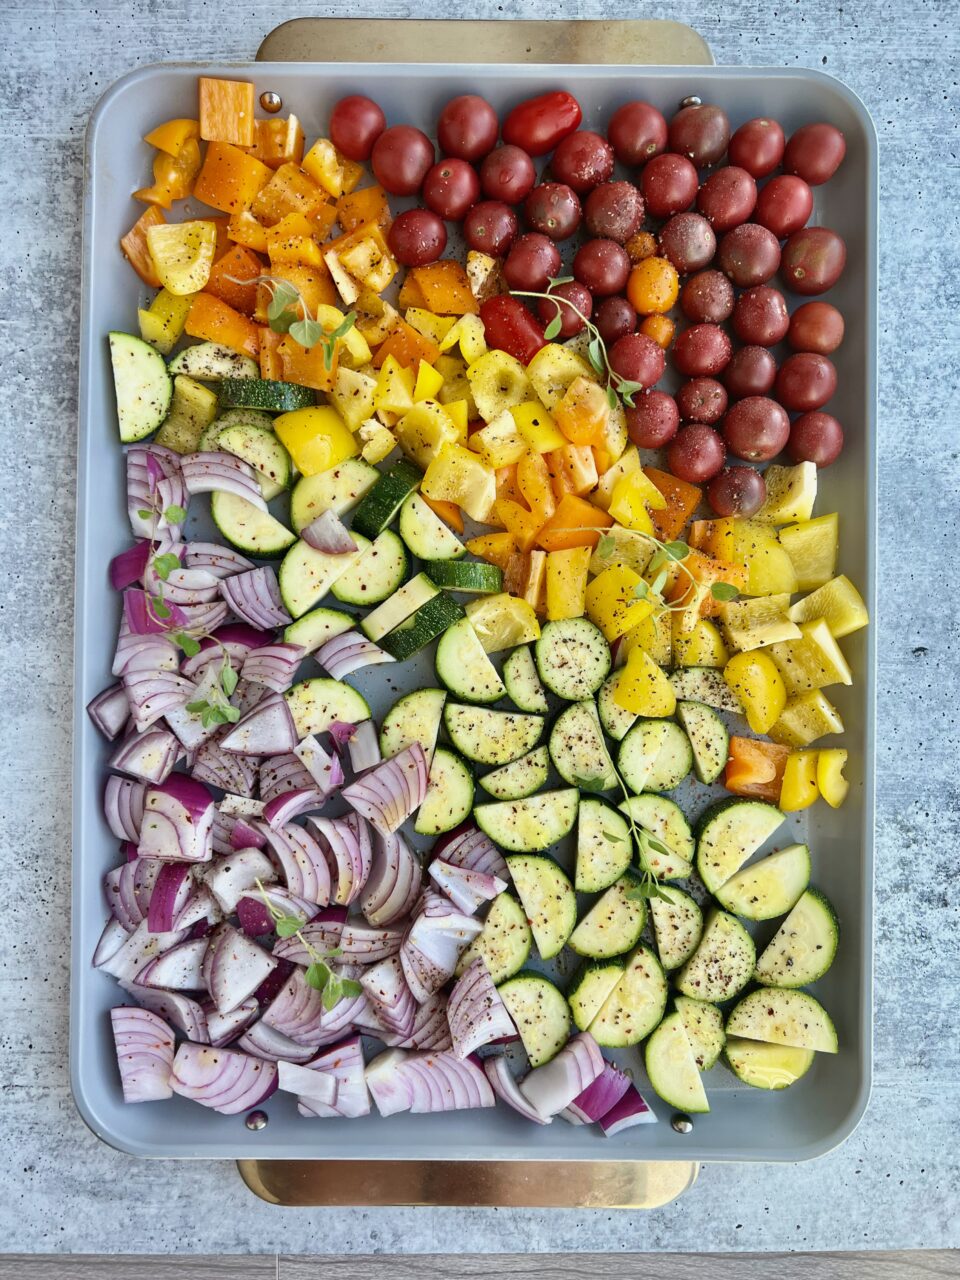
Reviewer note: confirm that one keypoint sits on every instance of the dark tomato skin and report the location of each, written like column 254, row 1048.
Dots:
column 450, row 188
column 508, row 174
column 401, row 159
column 707, row 298
column 727, row 198
column 817, row 438
column 784, row 205
column 510, row 327
column 752, row 371
column 815, row 153
column 749, row 255
column 757, row 146
column 669, row 184
column 582, row 160
column 570, row 323
column 813, row 260
column 638, row 358
column 756, row 428
column 816, row 326
column 603, row 266
column 417, row 237
column 538, row 124
column 702, row 400
column 637, row 132
column 687, row 240
column 696, row 453
column 613, row 211
column 805, row 381
column 356, row 123
column 491, row 227
column 737, row 491
column 653, row 421
column 468, row 127
column 615, row 318
column 531, row 263
column 553, row 209
column 701, row 351
column 760, row 317
column 701, row 133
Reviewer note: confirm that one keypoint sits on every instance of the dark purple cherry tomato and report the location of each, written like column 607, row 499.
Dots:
column 356, row 123
column 701, row 133
column 615, row 318
column 613, row 211
column 813, row 260
column 749, row 255
column 816, row 326
column 701, row 351
column 696, row 453
column 784, row 205
column 815, row 153
column 653, row 420
column 603, row 266
column 582, row 160
column 757, row 146
column 510, row 327
column 490, row 227
column 737, row 491
column 727, row 198
column 815, row 437
column 637, row 358
column 669, row 185
column 702, row 400
column 760, row 317
column 553, row 209
column 507, row 174
column 531, row 263
column 538, row 124
column 570, row 323
column 468, row 127
column 752, row 371
column 707, row 298
column 450, row 188
column 401, row 158
column 688, row 241
column 805, row 381
column 637, row 132
column 417, row 237
column 756, row 428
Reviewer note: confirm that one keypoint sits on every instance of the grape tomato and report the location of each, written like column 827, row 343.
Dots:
column 815, row 153
column 760, row 316
column 538, row 124
column 615, row 318
column 507, row 174
column 602, row 266
column 417, row 237
column 613, row 211
column 531, row 263
column 637, row 132
column 727, row 198
column 813, row 260
column 749, row 255
column 756, row 428
column 696, row 453
column 356, row 123
column 553, row 209
column 570, row 322
column 688, row 241
column 467, row 128
column 815, row 437
column 702, row 400
column 701, row 133
column 669, row 184
column 653, row 421
column 510, row 327
column 638, row 358
column 707, row 297
column 702, row 350
column 752, row 371
column 401, row 158
column 757, row 146
column 582, row 160
column 816, row 326
column 784, row 205
column 450, row 188
column 805, row 381
column 737, row 491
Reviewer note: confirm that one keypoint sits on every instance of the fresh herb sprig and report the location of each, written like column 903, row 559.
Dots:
column 216, row 708
column 287, row 312
column 332, row 987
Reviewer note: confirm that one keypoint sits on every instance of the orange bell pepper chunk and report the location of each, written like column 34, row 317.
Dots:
column 215, row 321
column 755, row 768
column 323, row 220
column 715, row 537
column 682, row 501
column 575, row 523
column 411, row 295
column 230, row 178
column 277, row 142
column 134, row 246
column 448, row 512
column 582, row 413
column 522, row 524
column 315, row 287
column 236, row 264
column 307, row 366
column 533, row 479
column 359, row 207
column 243, row 228
column 506, row 477
column 445, row 289
column 172, row 134
column 226, row 111
column 406, row 345
column 573, row 469
column 289, row 190
column 704, row 570
column 173, row 176
column 271, row 364
column 495, row 548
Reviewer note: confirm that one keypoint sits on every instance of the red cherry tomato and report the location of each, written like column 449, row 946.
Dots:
column 815, row 153
column 401, row 158
column 637, row 358
column 450, row 188
column 637, row 131
column 356, row 123
column 653, row 421
column 490, row 227
column 538, row 124
column 582, row 160
column 531, row 263
column 509, row 326
column 570, row 323
column 468, row 127
column 757, row 146
column 507, row 174
column 615, row 318
column 417, row 237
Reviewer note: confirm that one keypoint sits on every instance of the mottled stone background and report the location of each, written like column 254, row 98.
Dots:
column 894, row 1183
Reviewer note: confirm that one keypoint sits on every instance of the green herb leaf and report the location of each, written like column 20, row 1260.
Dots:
column 159, row 608
column 189, row 644
column 640, row 892
column 606, row 546
column 228, row 677
column 595, row 354
column 283, row 295
column 211, row 716
column 230, row 715
column 144, row 514
column 658, row 558
column 593, row 785
column 723, row 591
column 307, row 332
column 556, row 280
column 677, row 550
column 288, row 926
column 611, row 397
column 641, row 590
column 175, row 514
column 659, row 582
column 554, row 327
column 164, row 565
column 345, row 325
column 318, row 975
column 610, row 836
column 195, row 708
column 651, row 844
column 337, row 989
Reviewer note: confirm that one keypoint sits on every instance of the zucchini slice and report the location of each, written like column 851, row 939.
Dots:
column 212, row 361
column 709, row 739
column 522, row 682
column 379, row 507
column 316, row 703
column 143, row 386
column 317, row 627
column 573, row 658
column 547, row 897
column 398, row 607
column 706, row 685
column 431, row 620
column 463, row 666
column 776, row 1016
column 527, row 826
column 540, row 1014
column 425, row 533
column 803, row 948
column 767, row 888
column 636, row 1004
column 413, row 718
column 672, row 1066
column 504, row 945
column 449, row 797
column 263, row 451
column 578, row 750
column 338, row 490
column 729, row 833
column 590, row 989
column 306, row 574
column 468, row 576
column 662, row 818
column 491, row 737
column 519, row 778
column 248, row 528
column 677, row 926
column 616, row 720
column 673, row 761
column 723, row 962
column 704, row 1026
column 766, row 1066
column 604, row 846
column 613, row 924
column 638, row 752
column 375, row 574
column 264, row 393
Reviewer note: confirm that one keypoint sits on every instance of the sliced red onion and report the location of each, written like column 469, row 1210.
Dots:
column 340, row 731
column 235, row 640
column 171, row 492
column 122, row 901
column 221, row 831
column 344, row 1062
column 243, row 836
column 349, row 652
column 554, row 1086
column 180, row 586
column 233, row 806
column 284, row 808
column 129, row 566
column 471, row 849
column 475, row 1011
column 177, row 821
column 200, row 914
column 148, row 756
column 273, row 665
column 366, row 945
column 147, row 466
column 230, row 877
column 110, row 942
column 255, row 916
column 224, row 1028
column 297, row 1010
column 301, row 860
column 143, row 874
column 142, row 617
column 222, row 1079
column 283, row 773
column 176, row 1009
column 155, row 694
column 235, row 967
column 390, row 1086
column 430, row 1028
column 179, row 969
column 392, row 1000
column 388, row 794
column 202, row 618
column 340, row 842
column 123, row 803
column 267, row 730
column 422, row 1083
column 433, row 944
column 630, row 1110
column 312, row 1086
column 131, row 647
column 144, row 1045
column 270, row 987
column 236, row 774
column 328, row 534
column 364, row 747
column 137, row 951
column 325, row 769
column 263, row 1041
column 466, row 889
column 218, row 472
column 247, row 695
column 323, row 934
column 255, row 597
column 505, row 1086
column 394, row 883
column 216, row 559
column 598, row 1098
column 110, row 710
column 171, row 890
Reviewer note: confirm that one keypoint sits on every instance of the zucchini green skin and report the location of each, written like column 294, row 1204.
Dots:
column 449, row 797
column 463, row 666
column 266, row 394
column 672, row 1068
column 520, row 778
column 376, row 574
column 547, row 896
column 540, row 1014
column 522, row 682
column 466, row 575
column 249, row 529
column 573, row 658
column 530, row 825
column 430, row 620
column 505, row 943
column 143, row 386
column 379, row 507
column 804, row 947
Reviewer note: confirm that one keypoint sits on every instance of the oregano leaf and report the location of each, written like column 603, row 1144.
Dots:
column 554, row 327
column 606, row 546
column 228, row 677
column 189, row 644
column 164, row 565
column 677, row 550
column 611, row 397
column 288, row 926
column 175, row 514
column 160, row 609
column 317, row 975
column 723, row 591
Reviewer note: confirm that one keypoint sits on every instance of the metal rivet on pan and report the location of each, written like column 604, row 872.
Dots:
column 679, row 1123
column 692, row 101
column 272, row 102
column 258, row 1120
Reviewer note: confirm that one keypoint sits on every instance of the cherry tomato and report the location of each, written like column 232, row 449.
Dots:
column 756, row 428
column 760, row 316
column 538, row 124
column 490, row 227
column 757, row 146
column 696, row 453
column 401, row 158
column 660, row 328
column 468, row 127
column 815, row 437
column 749, row 255
column 752, row 371
column 613, row 211
column 707, row 298
column 737, row 491
column 356, row 123
column 637, row 132
column 531, row 263
column 640, row 246
column 507, row 174
column 688, row 241
column 570, row 323
column 702, row 400
column 602, row 265
column 553, row 209
column 815, row 153
column 637, row 358
column 510, row 327
column 450, row 188
column 727, row 198
column 669, row 184
column 813, row 260
column 615, row 318
column 417, row 237
column 582, row 160
column 702, row 350
column 653, row 286
column 653, row 420
column 805, row 381
column 701, row 133
column 784, row 205
column 816, row 326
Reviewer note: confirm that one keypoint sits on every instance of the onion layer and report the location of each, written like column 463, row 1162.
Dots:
column 222, row 1079
column 144, row 1045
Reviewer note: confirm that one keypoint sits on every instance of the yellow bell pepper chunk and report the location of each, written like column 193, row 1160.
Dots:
column 701, row 647
column 643, row 688
column 161, row 324
column 632, row 497
column 352, row 396
column 499, row 443
column 754, row 678
column 182, row 254
column 316, row 439
column 536, row 425
column 323, row 165
column 353, row 343
column 431, row 326
column 806, row 718
column 770, row 570
column 170, row 136
column 612, row 602
column 458, row 411
column 457, row 475
column 652, row 634
column 503, row 621
column 428, row 382
column 799, row 788
column 833, row 785
column 395, row 384
column 838, row 602
column 567, row 582
column 468, row 331
column 424, row 430
column 812, row 547
column 626, row 464
column 377, row 441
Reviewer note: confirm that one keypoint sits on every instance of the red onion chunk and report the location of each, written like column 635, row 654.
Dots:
column 202, row 618
column 323, row 933
column 344, row 1062
column 129, row 566
column 328, row 534
column 423, row 1083
column 154, row 483
column 273, row 665
column 255, row 916
column 364, row 747
column 171, row 891
column 468, row 890
column 255, row 597
column 118, row 891
column 349, row 652
column 301, row 862
column 391, row 998
column 433, row 944
column 476, row 1014
column 630, row 1110
column 123, row 802
column 554, row 1086
column 142, row 617
column 180, row 586
column 281, row 773
column 177, row 821
column 291, row 804
column 505, row 1086
column 263, row 1041
column 601, row 1096
column 393, row 885
column 139, row 948
column 110, row 942
column 143, row 651
column 388, row 794
column 223, row 1028
column 298, row 1012
column 325, row 769
column 235, row 967
column 390, row 1086
column 243, row 836
column 218, row 472
column 430, row 1030
column 470, row 848
column 144, row 1045
column 176, row 1009
column 148, row 756
column 236, row 774
column 179, row 969
column 110, row 710
column 228, row 878
column 235, row 640
column 201, row 912
column 267, row 730
column 313, row 1086
column 222, row 561
column 341, row 845
column 223, row 1079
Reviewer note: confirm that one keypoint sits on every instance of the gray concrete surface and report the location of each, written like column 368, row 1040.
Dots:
column 894, row 1183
